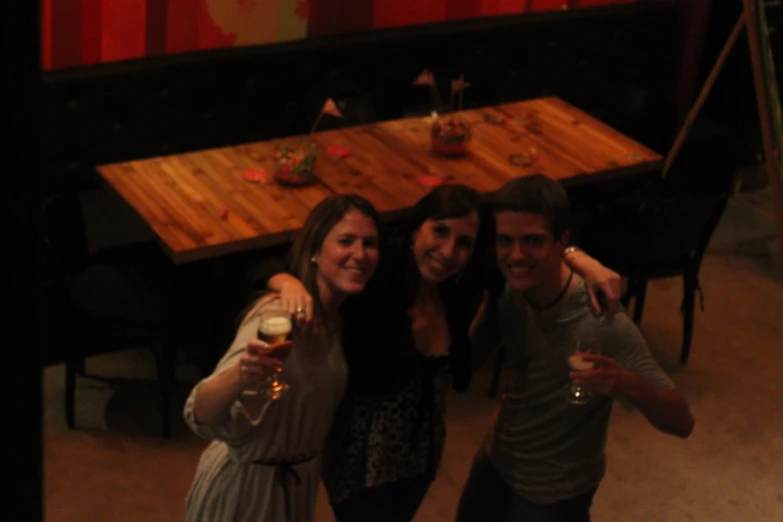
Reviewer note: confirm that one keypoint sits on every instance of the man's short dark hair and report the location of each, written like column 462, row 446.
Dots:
column 536, row 194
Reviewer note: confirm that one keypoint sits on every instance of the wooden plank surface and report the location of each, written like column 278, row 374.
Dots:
column 199, row 206
column 182, row 197
column 571, row 146
column 574, row 147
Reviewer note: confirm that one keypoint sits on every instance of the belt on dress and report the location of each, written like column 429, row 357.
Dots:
column 285, row 468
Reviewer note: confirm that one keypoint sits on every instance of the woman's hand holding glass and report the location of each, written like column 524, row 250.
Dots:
column 256, row 366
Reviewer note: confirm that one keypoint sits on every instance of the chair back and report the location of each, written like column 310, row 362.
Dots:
column 677, row 230
column 680, row 213
column 65, row 240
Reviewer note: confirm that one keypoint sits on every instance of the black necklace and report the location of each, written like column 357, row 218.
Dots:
column 557, row 299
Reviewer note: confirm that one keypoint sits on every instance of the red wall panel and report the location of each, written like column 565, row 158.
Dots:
column 591, row 3
column 182, row 21
column 546, row 5
column 338, row 16
column 66, row 36
column 456, row 9
column 124, row 29
column 157, row 17
column 511, row 6
column 46, row 34
column 92, row 27
column 390, row 13
column 79, row 32
column 210, row 36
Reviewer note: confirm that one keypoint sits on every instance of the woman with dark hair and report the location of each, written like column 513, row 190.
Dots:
column 405, row 340
column 264, row 459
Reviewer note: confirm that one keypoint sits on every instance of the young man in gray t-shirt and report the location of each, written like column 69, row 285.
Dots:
column 544, row 456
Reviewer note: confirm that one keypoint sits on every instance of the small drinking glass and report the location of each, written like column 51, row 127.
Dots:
column 274, row 328
column 575, row 393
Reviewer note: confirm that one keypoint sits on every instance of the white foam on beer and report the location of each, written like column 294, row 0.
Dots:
column 577, row 363
column 274, row 326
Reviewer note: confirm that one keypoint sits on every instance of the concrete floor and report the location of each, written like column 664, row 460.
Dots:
column 116, row 468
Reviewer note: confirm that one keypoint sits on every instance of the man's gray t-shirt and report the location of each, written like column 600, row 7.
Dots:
column 545, row 448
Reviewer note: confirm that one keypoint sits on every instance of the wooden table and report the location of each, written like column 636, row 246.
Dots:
column 199, row 206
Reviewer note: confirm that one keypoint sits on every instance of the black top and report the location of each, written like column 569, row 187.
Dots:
column 377, row 337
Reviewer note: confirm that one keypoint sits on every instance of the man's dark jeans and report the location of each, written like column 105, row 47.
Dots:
column 487, row 498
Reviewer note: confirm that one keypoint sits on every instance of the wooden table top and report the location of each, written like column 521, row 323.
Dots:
column 200, row 207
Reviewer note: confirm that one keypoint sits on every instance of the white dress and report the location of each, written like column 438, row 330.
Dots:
column 287, row 438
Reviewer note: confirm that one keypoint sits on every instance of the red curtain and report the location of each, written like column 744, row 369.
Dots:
column 80, row 32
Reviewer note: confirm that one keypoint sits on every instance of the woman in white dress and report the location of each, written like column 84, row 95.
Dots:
column 264, row 464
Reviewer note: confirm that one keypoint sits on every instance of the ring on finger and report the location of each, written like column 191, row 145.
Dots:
column 299, row 310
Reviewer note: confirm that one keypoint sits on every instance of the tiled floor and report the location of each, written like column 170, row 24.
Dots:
column 115, row 468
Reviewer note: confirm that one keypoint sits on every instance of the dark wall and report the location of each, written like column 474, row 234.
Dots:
column 22, row 326
column 614, row 62
column 732, row 101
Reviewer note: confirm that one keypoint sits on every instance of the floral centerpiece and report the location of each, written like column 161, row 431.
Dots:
column 450, row 134
column 294, row 166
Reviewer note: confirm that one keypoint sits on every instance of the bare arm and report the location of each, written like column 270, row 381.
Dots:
column 281, row 281
column 598, row 278
column 666, row 410
column 484, row 332
column 273, row 274
column 217, row 394
column 294, row 297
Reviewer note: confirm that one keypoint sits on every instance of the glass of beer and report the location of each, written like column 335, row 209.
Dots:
column 575, row 393
column 274, row 328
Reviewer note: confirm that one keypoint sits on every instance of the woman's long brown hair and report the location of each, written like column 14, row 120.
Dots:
column 310, row 240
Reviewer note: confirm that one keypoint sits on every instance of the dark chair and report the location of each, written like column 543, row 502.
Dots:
column 95, row 306
column 669, row 240
column 664, row 231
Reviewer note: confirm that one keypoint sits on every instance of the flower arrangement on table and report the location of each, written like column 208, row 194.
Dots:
column 450, row 135
column 295, row 166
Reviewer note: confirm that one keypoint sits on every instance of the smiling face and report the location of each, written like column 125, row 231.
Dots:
column 528, row 253
column 348, row 255
column 442, row 247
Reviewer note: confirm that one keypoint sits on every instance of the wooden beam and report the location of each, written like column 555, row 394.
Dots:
column 693, row 113
column 694, row 21
column 768, row 103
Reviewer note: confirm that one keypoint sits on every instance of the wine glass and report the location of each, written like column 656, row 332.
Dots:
column 575, row 393
column 274, row 328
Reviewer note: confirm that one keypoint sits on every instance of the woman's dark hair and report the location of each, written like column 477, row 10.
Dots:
column 444, row 202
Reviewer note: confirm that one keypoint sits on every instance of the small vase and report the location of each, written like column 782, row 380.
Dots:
column 294, row 166
column 450, row 135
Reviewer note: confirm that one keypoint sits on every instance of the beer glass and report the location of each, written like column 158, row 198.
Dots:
column 274, row 328
column 575, row 393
